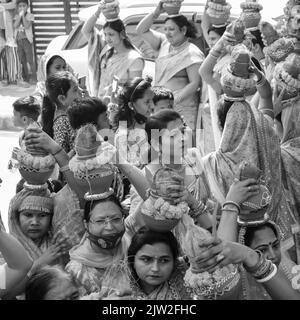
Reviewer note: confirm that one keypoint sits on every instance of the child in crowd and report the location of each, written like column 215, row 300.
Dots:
column 26, row 110
column 163, row 98
column 24, row 38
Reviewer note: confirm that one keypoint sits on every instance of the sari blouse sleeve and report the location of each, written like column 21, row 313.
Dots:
column 63, row 133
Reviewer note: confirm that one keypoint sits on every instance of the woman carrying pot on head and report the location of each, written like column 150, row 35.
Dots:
column 266, row 271
column 247, row 133
column 177, row 64
column 111, row 54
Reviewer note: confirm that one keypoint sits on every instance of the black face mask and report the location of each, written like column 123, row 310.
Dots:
column 140, row 119
column 108, row 242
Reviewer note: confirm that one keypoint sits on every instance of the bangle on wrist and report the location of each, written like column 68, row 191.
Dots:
column 64, row 168
column 257, row 265
column 57, row 152
column 230, row 210
column 155, row 15
column 270, row 275
column 232, row 203
column 261, row 82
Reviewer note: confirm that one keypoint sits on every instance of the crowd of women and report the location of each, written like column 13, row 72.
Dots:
column 130, row 190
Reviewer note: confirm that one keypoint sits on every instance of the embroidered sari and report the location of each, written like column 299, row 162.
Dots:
column 248, row 136
column 68, row 216
column 168, row 64
column 89, row 267
column 290, row 146
column 102, row 70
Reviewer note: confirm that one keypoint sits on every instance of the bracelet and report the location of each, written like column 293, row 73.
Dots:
column 64, row 168
column 233, row 203
column 269, row 276
column 213, row 56
column 198, row 210
column 155, row 16
column 268, row 112
column 261, row 82
column 57, row 152
column 230, row 210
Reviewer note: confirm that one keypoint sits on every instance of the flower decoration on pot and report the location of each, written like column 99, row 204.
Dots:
column 237, row 30
column 276, row 47
column 93, row 163
column 236, row 80
column 172, row 7
column 251, row 13
column 255, row 207
column 111, row 10
column 35, row 166
column 287, row 76
column 219, row 12
column 204, row 284
column 159, row 211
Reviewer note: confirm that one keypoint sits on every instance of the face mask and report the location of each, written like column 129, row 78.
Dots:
column 108, row 242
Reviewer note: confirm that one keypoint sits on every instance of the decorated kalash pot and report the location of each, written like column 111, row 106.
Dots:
column 159, row 211
column 251, row 13
column 276, row 48
column 35, row 166
column 111, row 9
column 237, row 30
column 292, row 16
column 204, row 284
column 92, row 165
column 256, row 206
column 219, row 12
column 287, row 76
column 172, row 7
column 236, row 80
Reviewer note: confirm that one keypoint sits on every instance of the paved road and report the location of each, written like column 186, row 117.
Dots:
column 7, row 190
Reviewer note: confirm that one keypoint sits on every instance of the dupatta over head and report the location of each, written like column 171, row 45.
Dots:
column 248, row 136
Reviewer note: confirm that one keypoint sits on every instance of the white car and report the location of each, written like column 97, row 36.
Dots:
column 73, row 47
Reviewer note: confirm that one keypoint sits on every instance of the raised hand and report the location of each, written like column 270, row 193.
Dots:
column 240, row 191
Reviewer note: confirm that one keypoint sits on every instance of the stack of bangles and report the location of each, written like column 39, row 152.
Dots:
column 231, row 206
column 198, row 210
column 261, row 82
column 264, row 270
column 215, row 53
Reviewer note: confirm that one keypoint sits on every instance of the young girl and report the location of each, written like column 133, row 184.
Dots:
column 135, row 103
column 62, row 90
column 48, row 65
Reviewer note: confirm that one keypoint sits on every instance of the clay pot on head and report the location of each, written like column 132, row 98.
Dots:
column 111, row 13
column 218, row 21
column 172, row 8
column 35, row 177
column 251, row 19
column 96, row 181
column 159, row 225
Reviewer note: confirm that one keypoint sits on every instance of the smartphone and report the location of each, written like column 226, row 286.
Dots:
column 115, row 84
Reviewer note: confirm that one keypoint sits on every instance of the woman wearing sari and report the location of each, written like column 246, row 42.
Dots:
column 168, row 140
column 178, row 61
column 103, row 245
column 287, row 115
column 111, row 54
column 254, row 229
column 247, row 135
